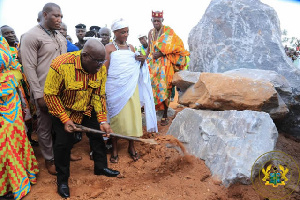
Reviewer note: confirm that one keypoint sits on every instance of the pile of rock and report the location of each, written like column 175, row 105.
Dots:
column 246, row 34
column 240, row 82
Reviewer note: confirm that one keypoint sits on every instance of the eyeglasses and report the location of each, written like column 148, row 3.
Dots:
column 99, row 62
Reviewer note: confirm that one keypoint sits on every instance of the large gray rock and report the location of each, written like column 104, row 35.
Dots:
column 279, row 112
column 228, row 141
column 244, row 34
column 184, row 79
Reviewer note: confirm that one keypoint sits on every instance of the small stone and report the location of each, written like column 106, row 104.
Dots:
column 216, row 181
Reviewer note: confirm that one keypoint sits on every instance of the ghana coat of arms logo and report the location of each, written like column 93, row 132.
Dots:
column 274, row 176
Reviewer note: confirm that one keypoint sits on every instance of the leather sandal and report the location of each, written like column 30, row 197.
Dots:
column 114, row 159
column 164, row 121
column 135, row 156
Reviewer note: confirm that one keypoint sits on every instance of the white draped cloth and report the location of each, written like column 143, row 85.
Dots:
column 123, row 75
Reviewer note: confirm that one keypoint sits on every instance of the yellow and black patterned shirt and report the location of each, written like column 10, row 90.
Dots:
column 70, row 92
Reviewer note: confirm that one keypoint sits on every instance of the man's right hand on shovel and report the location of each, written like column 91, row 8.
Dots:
column 70, row 126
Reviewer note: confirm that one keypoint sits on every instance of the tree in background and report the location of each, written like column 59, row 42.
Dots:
column 290, row 41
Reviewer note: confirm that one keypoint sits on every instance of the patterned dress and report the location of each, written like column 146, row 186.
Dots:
column 18, row 165
column 163, row 68
column 23, row 87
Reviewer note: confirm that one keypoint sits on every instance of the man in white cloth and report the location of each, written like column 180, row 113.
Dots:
column 128, row 87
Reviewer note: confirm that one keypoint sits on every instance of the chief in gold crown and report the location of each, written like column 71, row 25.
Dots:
column 166, row 55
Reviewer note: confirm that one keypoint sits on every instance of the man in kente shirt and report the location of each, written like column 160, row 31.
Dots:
column 75, row 94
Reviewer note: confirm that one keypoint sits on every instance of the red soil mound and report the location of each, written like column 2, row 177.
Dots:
column 164, row 171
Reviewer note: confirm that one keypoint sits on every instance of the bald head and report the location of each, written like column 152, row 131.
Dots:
column 93, row 45
column 49, row 6
column 40, row 17
column 104, row 29
column 92, row 56
column 105, row 35
column 64, row 25
column 63, row 29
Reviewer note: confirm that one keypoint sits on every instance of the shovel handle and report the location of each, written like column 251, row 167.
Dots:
column 90, row 130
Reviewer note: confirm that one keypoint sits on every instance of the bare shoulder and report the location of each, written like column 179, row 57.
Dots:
column 109, row 45
column 131, row 47
column 110, row 48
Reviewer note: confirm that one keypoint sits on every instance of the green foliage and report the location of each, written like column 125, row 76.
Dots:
column 290, row 41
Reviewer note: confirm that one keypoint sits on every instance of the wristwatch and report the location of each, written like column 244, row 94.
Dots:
column 104, row 122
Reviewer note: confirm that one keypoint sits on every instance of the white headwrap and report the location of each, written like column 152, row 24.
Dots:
column 118, row 24
column 141, row 35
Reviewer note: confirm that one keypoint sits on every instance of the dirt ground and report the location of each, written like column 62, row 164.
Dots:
column 161, row 173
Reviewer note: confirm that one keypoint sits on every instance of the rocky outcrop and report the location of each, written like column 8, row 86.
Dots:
column 184, row 79
column 225, row 92
column 244, row 34
column 228, row 141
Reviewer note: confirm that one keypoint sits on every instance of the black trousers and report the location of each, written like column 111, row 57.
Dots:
column 64, row 142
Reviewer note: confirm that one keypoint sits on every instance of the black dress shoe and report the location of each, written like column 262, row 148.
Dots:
column 107, row 172
column 9, row 195
column 63, row 190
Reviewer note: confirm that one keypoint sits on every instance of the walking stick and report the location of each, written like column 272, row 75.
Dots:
column 90, row 130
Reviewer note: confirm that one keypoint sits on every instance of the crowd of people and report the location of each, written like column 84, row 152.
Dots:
column 294, row 55
column 98, row 82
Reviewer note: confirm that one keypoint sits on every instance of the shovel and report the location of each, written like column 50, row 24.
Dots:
column 90, row 130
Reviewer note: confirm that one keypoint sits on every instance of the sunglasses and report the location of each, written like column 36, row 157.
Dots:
column 99, row 62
